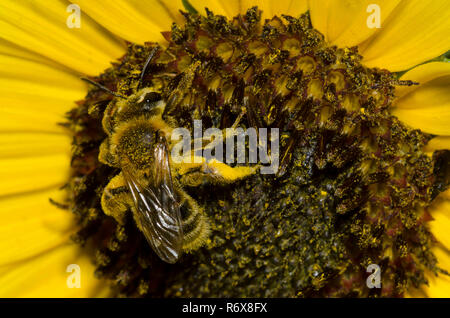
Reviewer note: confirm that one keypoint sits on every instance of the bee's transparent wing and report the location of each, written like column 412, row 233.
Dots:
column 157, row 209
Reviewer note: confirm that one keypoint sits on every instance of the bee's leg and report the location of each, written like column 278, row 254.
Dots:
column 105, row 156
column 116, row 199
column 195, row 224
column 177, row 95
column 109, row 114
column 223, row 173
column 199, row 170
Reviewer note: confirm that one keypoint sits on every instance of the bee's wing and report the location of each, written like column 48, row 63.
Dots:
column 156, row 206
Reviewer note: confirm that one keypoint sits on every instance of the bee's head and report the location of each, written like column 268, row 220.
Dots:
column 146, row 103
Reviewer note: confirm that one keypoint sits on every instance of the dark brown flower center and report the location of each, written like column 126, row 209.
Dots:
column 352, row 189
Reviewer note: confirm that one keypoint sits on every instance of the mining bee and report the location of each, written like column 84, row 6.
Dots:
column 139, row 143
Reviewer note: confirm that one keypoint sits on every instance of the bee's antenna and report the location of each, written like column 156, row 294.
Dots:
column 405, row 83
column 144, row 69
column 102, row 87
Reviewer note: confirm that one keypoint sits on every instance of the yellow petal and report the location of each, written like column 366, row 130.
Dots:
column 225, row 8
column 20, row 175
column 445, row 194
column 422, row 74
column 289, row 7
column 415, row 32
column 344, row 22
column 427, row 107
column 440, row 226
column 35, row 96
column 232, row 8
column 438, row 143
column 293, row 7
column 270, row 8
column 319, row 12
column 43, row 29
column 133, row 20
column 45, row 275
column 439, row 286
column 168, row 11
column 17, row 68
column 10, row 49
column 21, row 144
column 32, row 120
column 264, row 5
column 32, row 225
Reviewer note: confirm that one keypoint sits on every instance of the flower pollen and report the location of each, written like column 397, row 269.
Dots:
column 353, row 186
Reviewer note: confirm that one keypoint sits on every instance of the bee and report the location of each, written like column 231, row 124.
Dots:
column 150, row 183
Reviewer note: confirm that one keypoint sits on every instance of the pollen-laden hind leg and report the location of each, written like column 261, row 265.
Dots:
column 116, row 199
column 194, row 174
column 105, row 156
column 195, row 223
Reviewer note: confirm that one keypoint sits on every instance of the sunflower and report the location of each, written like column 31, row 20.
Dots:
column 42, row 60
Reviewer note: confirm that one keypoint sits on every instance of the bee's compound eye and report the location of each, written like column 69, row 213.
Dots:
column 151, row 101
